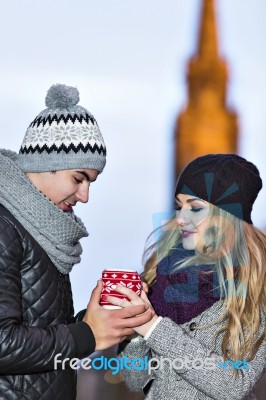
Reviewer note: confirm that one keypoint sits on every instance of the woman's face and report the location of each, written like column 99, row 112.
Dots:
column 191, row 217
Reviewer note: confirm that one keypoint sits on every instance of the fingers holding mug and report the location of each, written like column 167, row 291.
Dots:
column 113, row 278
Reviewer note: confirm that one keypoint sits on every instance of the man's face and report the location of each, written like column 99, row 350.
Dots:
column 65, row 188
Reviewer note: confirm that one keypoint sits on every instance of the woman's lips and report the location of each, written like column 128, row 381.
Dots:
column 186, row 234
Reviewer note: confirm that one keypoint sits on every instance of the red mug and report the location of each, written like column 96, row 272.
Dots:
column 115, row 277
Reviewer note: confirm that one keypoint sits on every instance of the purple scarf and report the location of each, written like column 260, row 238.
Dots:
column 185, row 294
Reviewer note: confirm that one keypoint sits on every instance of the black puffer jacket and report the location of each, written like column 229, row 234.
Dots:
column 36, row 320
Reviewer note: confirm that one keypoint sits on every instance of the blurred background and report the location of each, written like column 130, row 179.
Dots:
column 166, row 81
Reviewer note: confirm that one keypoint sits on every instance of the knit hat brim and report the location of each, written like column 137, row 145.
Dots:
column 54, row 162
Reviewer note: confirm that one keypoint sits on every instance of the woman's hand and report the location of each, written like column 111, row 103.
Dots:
column 134, row 299
column 145, row 287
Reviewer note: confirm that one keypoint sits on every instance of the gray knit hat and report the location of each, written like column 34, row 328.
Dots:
column 63, row 136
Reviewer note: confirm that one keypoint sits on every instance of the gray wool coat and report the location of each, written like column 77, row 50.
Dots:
column 200, row 377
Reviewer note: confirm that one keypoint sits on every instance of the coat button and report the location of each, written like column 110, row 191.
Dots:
column 192, row 326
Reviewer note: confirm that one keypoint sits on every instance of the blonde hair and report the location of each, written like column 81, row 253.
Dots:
column 238, row 251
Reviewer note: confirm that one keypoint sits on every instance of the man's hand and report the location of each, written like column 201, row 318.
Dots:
column 113, row 326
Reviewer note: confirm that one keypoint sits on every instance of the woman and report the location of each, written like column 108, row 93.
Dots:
column 207, row 278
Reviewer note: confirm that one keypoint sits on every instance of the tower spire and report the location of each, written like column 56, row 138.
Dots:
column 206, row 125
column 207, row 41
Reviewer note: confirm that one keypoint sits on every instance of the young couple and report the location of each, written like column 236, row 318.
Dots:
column 206, row 273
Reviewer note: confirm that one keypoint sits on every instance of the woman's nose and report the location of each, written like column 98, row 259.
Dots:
column 182, row 217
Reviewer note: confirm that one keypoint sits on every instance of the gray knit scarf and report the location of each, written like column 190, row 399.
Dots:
column 56, row 231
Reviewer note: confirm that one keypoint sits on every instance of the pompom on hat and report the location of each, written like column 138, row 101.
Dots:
column 63, row 136
column 227, row 181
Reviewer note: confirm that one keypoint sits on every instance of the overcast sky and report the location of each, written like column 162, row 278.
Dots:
column 128, row 60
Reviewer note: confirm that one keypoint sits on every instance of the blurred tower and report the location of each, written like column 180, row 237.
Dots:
column 206, row 125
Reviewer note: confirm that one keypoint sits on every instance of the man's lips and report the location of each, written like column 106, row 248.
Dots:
column 67, row 206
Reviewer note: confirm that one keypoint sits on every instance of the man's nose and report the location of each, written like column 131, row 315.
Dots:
column 83, row 194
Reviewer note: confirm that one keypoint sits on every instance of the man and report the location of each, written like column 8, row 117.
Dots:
column 61, row 155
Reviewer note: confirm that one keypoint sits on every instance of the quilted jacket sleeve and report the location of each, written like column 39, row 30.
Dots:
column 23, row 348
column 170, row 341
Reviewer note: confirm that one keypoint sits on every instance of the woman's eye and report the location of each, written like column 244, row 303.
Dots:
column 178, row 208
column 77, row 180
column 196, row 209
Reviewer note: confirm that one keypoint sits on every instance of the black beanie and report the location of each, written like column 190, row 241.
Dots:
column 227, row 181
